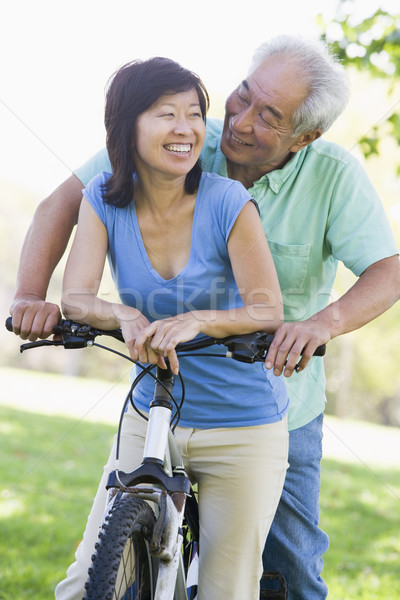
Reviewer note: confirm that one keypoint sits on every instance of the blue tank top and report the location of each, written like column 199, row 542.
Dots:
column 219, row 392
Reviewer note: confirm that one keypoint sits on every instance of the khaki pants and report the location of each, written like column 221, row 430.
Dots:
column 240, row 474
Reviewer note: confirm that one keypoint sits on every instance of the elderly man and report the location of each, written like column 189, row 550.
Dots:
column 317, row 207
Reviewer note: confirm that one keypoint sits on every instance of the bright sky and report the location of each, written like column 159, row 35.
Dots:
column 57, row 57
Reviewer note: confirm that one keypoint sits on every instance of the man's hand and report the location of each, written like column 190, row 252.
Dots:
column 293, row 340
column 34, row 318
column 376, row 290
column 44, row 245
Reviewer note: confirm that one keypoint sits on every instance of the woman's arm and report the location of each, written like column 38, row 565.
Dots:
column 255, row 275
column 257, row 281
column 83, row 274
column 82, row 278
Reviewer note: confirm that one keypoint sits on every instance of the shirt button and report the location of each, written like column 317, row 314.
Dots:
column 276, row 187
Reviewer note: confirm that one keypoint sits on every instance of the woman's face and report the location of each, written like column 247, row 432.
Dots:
column 170, row 135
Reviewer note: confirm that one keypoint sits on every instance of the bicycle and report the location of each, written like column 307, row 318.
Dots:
column 150, row 533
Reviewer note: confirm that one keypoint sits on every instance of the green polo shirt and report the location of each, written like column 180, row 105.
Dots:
column 319, row 209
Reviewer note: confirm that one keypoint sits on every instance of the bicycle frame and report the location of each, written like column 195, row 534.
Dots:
column 161, row 479
column 162, row 468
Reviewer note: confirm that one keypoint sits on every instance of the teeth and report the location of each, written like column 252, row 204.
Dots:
column 178, row 147
column 239, row 141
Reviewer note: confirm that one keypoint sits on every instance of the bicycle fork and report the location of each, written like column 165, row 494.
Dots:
column 166, row 542
column 168, row 490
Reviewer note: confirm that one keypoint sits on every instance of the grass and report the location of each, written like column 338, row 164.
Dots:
column 360, row 509
column 50, row 467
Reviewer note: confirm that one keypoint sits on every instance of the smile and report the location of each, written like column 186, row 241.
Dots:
column 235, row 139
column 178, row 148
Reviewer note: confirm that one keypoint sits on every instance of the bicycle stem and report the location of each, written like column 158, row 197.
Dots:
column 159, row 417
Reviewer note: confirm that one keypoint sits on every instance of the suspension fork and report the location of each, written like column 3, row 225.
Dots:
column 167, row 537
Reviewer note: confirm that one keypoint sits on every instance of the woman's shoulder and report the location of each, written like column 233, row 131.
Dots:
column 93, row 192
column 223, row 193
column 98, row 180
column 221, row 200
column 94, row 189
column 223, row 184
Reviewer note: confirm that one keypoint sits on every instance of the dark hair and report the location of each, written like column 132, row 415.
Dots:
column 131, row 91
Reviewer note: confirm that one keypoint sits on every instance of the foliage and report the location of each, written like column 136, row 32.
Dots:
column 372, row 45
column 362, row 367
column 363, row 378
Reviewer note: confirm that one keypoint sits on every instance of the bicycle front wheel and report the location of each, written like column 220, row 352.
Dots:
column 122, row 567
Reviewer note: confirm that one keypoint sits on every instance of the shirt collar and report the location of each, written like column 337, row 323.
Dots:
column 277, row 178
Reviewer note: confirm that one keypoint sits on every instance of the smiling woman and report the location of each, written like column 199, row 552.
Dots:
column 188, row 256
column 168, row 141
column 152, row 105
column 170, row 135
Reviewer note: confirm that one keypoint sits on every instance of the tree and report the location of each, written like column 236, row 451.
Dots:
column 369, row 43
column 373, row 45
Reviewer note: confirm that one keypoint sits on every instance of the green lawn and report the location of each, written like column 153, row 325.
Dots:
column 360, row 509
column 50, row 467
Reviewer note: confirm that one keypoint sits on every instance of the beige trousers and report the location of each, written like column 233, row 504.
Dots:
column 240, row 474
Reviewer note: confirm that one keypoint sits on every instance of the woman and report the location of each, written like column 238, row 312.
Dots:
column 188, row 256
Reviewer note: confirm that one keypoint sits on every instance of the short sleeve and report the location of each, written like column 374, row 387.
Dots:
column 358, row 230
column 233, row 198
column 96, row 164
column 93, row 194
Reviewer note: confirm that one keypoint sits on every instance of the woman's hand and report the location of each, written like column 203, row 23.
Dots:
column 161, row 338
column 133, row 323
column 293, row 340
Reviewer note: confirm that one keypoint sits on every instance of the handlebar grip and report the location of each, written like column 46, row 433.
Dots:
column 9, row 325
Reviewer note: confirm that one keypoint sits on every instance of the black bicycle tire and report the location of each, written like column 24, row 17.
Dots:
column 129, row 521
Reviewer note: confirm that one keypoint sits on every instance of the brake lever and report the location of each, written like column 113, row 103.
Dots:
column 73, row 339
column 40, row 343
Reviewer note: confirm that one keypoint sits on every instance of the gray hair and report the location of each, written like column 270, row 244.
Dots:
column 329, row 87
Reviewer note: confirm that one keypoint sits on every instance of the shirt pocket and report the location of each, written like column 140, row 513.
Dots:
column 292, row 263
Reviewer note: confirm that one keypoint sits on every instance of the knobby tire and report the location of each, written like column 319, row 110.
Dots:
column 122, row 567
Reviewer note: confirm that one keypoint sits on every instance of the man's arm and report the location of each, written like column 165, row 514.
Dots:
column 376, row 290
column 44, row 245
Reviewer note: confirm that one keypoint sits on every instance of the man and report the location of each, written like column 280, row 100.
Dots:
column 317, row 207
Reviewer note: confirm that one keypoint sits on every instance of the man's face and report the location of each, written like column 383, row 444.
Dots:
column 258, row 128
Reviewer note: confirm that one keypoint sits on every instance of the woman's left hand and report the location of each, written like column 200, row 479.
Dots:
column 161, row 337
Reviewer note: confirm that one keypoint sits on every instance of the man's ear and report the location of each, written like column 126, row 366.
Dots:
column 304, row 139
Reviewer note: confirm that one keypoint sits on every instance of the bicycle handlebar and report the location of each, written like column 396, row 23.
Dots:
column 250, row 347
